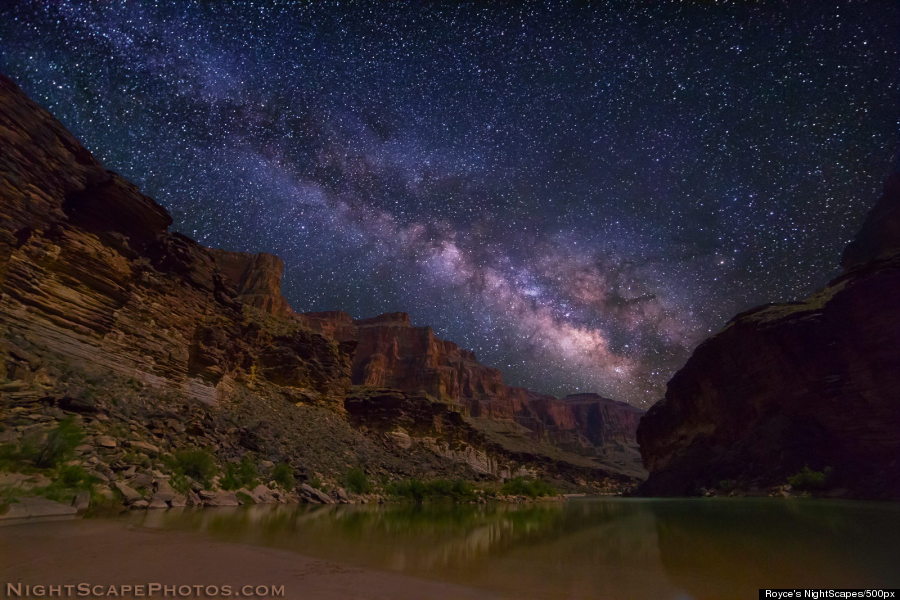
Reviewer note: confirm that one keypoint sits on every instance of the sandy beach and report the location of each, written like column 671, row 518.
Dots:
column 106, row 553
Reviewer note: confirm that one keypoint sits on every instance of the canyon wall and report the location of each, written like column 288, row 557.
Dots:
column 814, row 383
column 89, row 270
column 143, row 330
column 390, row 352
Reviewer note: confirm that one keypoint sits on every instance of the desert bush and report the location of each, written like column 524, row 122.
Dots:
column 727, row 485
column 524, row 486
column 809, row 480
column 283, row 475
column 68, row 481
column 179, row 482
column 419, row 491
column 356, row 481
column 241, row 474
column 410, row 489
column 59, row 445
column 196, row 463
column 10, row 457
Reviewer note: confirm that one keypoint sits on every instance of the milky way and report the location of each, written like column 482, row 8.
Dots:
column 578, row 194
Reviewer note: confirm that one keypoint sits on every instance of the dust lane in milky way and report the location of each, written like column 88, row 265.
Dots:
column 578, row 194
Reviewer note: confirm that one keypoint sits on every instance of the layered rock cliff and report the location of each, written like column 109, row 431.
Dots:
column 811, row 384
column 89, row 270
column 150, row 340
column 390, row 352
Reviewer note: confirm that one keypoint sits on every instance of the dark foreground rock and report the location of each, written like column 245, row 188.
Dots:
column 811, row 384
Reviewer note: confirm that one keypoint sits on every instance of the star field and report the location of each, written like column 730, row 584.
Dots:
column 580, row 194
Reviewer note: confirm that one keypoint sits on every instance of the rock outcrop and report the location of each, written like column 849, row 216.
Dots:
column 811, row 384
column 89, row 270
column 390, row 352
column 414, row 421
column 256, row 278
column 154, row 344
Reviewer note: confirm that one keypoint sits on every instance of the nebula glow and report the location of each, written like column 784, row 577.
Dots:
column 580, row 194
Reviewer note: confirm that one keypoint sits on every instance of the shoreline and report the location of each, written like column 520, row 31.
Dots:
column 106, row 552
column 37, row 508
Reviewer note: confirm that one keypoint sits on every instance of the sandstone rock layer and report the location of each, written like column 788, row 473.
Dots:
column 108, row 315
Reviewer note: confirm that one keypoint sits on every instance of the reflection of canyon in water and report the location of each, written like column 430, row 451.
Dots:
column 591, row 548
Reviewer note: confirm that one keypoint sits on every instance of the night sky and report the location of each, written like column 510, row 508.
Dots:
column 578, row 194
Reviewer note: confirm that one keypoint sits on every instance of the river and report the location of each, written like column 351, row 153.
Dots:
column 591, row 548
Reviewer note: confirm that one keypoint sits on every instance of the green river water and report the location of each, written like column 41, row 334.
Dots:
column 586, row 548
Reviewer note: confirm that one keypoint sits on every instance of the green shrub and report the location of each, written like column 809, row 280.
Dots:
column 10, row 495
column 179, row 482
column 9, row 457
column 248, row 472
column 356, row 481
column 727, row 485
column 524, row 486
column 103, row 504
column 196, row 464
column 411, row 489
column 419, row 491
column 456, row 489
column 283, row 475
column 59, row 444
column 808, row 480
column 242, row 474
column 74, row 476
column 69, row 480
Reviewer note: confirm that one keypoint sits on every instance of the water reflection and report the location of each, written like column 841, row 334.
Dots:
column 786, row 544
column 585, row 549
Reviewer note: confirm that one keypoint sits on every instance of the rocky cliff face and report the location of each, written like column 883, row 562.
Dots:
column 88, row 270
column 813, row 383
column 146, row 337
column 589, row 419
column 390, row 352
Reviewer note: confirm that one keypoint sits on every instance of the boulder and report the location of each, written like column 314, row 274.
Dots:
column 129, row 493
column 141, row 480
column 145, row 447
column 105, row 441
column 23, row 480
column 312, row 495
column 164, row 490
column 219, row 498
column 157, row 502
column 35, row 507
column 262, row 495
column 340, row 494
column 82, row 501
